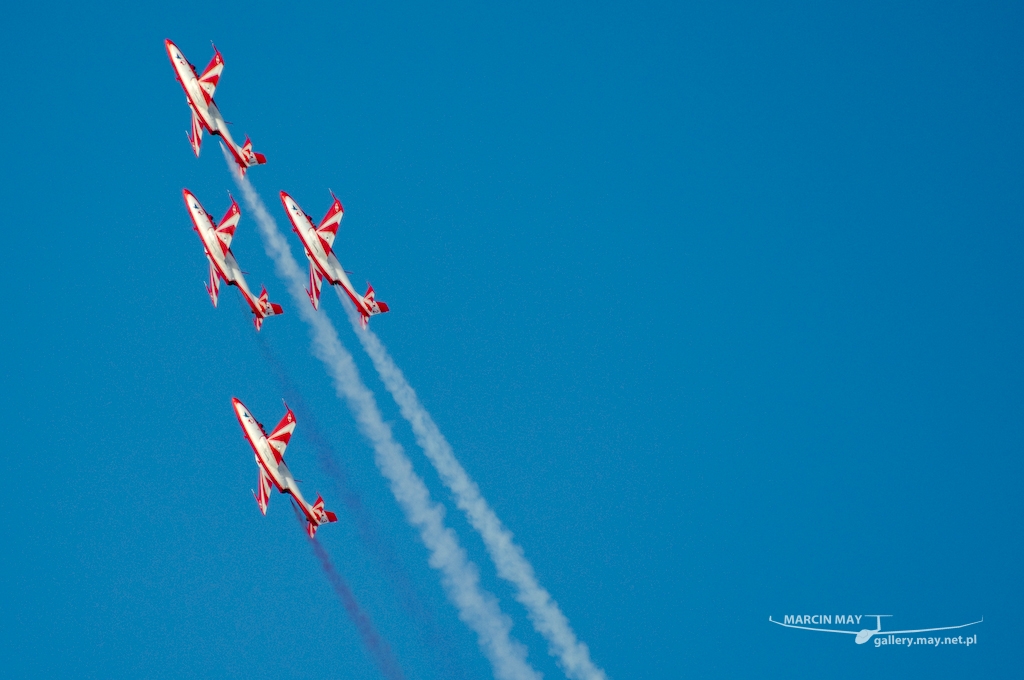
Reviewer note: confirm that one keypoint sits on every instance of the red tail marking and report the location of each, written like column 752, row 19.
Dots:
column 264, row 308
column 320, row 516
column 250, row 157
column 372, row 306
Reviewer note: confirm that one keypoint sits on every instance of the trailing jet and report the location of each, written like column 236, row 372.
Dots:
column 205, row 114
column 217, row 244
column 269, row 450
column 323, row 264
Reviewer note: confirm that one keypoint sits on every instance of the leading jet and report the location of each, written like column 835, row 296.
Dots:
column 269, row 450
column 223, row 267
column 318, row 241
column 199, row 88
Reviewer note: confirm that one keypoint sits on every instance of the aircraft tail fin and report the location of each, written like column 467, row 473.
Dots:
column 321, row 517
column 373, row 306
column 266, row 308
column 249, row 157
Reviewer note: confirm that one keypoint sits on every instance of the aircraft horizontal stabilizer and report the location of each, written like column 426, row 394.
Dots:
column 322, row 517
column 266, row 308
column 249, row 157
column 372, row 306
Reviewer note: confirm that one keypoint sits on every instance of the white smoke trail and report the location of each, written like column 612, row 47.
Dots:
column 477, row 608
column 509, row 559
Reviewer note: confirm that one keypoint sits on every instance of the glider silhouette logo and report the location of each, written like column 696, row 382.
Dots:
column 882, row 637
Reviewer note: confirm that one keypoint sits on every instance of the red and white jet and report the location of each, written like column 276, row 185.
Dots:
column 269, row 450
column 205, row 114
column 217, row 244
column 323, row 264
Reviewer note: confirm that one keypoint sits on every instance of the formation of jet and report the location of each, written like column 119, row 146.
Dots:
column 269, row 451
column 223, row 267
column 318, row 242
column 199, row 89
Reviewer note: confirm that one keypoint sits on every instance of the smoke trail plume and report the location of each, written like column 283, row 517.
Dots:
column 371, row 640
column 437, row 643
column 378, row 648
column 477, row 608
column 509, row 559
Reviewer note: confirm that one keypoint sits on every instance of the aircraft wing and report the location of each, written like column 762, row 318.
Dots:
column 226, row 228
column 211, row 76
column 820, row 630
column 328, row 228
column 282, row 434
column 315, row 282
column 263, row 495
column 196, row 137
column 213, row 287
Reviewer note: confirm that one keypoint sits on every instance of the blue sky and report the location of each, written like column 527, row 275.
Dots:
column 720, row 304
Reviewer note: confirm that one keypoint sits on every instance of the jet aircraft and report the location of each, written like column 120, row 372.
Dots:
column 199, row 90
column 318, row 243
column 217, row 245
column 269, row 450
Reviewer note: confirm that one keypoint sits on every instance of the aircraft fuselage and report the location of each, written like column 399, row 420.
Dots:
column 266, row 458
column 223, row 262
column 325, row 261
